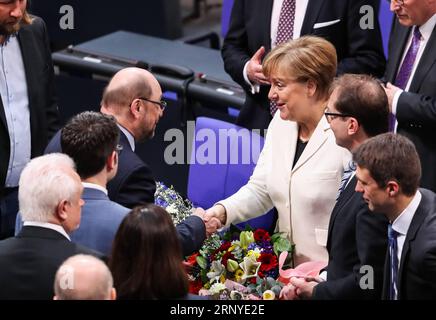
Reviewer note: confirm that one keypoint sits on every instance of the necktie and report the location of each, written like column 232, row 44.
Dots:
column 285, row 31
column 351, row 167
column 393, row 259
column 406, row 68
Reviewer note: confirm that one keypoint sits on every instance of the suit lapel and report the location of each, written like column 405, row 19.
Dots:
column 416, row 223
column 312, row 13
column 342, row 200
column 399, row 41
column 427, row 60
column 265, row 23
column 318, row 138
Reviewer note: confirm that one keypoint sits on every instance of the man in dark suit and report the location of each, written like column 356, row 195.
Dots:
column 50, row 202
column 28, row 112
column 256, row 26
column 411, row 73
column 357, row 110
column 133, row 98
column 388, row 173
column 91, row 138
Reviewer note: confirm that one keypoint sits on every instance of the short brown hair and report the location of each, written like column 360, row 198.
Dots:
column 390, row 157
column 306, row 58
column 362, row 97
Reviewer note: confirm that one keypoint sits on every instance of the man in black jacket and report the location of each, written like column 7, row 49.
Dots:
column 28, row 111
column 357, row 110
column 50, row 193
column 256, row 27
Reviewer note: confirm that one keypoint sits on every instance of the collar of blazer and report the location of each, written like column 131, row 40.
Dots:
column 318, row 138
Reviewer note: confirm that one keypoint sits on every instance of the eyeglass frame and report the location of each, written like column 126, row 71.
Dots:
column 162, row 104
column 328, row 114
column 118, row 148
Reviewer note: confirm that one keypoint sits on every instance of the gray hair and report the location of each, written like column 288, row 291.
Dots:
column 83, row 277
column 44, row 183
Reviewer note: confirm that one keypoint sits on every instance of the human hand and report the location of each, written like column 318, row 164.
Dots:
column 390, row 91
column 304, row 288
column 212, row 224
column 218, row 211
column 288, row 292
column 254, row 68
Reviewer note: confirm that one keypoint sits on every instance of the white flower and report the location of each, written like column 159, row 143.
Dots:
column 216, row 288
column 250, row 267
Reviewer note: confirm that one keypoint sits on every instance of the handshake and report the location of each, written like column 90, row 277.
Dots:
column 214, row 218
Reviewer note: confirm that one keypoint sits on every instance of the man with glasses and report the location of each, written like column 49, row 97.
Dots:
column 28, row 110
column 133, row 97
column 357, row 110
column 411, row 76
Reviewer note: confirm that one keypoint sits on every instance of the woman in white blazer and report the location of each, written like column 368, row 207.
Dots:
column 300, row 167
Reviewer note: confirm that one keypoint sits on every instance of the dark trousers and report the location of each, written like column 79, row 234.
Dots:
column 8, row 212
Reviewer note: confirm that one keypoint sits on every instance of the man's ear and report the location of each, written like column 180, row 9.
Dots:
column 353, row 126
column 61, row 211
column 135, row 108
column 393, row 188
column 112, row 161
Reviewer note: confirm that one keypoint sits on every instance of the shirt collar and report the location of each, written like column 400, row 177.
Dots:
column 403, row 221
column 129, row 136
column 90, row 185
column 47, row 225
column 427, row 28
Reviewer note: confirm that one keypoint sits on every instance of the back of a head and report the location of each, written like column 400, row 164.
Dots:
column 44, row 182
column 390, row 157
column 306, row 58
column 90, row 138
column 146, row 256
column 126, row 85
column 83, row 277
column 362, row 97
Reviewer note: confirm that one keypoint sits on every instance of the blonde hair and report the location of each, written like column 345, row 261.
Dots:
column 307, row 58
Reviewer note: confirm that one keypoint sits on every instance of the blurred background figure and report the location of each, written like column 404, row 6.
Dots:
column 83, row 277
column 146, row 258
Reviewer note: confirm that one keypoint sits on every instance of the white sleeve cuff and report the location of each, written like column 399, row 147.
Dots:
column 395, row 101
column 255, row 88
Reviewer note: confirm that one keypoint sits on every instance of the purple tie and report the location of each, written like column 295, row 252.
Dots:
column 406, row 68
column 285, row 31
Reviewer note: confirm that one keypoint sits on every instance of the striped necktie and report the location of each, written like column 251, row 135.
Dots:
column 406, row 68
column 393, row 262
column 285, row 31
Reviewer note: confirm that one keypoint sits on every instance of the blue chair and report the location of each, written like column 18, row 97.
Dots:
column 225, row 16
column 222, row 160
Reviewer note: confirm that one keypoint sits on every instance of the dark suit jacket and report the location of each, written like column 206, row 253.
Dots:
column 356, row 237
column 416, row 109
column 359, row 51
column 134, row 185
column 417, row 270
column 44, row 116
column 29, row 261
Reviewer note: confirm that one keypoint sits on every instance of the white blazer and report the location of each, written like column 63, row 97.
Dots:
column 304, row 195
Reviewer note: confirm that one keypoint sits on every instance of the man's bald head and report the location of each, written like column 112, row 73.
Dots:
column 126, row 85
column 83, row 277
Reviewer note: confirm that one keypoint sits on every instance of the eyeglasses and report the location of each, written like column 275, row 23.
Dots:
column 162, row 104
column 332, row 115
column 398, row 2
column 118, row 148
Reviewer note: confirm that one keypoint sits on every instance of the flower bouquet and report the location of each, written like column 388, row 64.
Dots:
column 169, row 199
column 238, row 265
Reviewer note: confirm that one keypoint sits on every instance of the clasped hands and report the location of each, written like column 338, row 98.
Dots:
column 214, row 218
column 299, row 288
